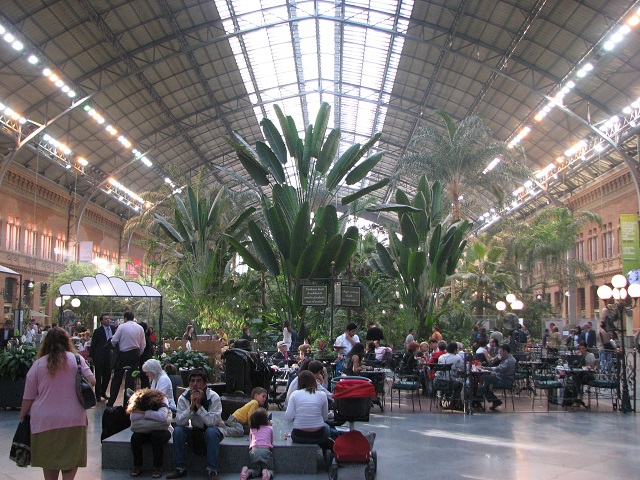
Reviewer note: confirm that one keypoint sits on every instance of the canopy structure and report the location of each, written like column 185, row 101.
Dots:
column 8, row 271
column 104, row 286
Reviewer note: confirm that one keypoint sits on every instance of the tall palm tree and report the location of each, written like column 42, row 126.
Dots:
column 457, row 155
column 483, row 271
column 548, row 239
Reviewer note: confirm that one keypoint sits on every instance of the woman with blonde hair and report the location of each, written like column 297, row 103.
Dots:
column 150, row 423
column 58, row 420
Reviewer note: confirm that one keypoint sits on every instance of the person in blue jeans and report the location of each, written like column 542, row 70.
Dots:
column 203, row 407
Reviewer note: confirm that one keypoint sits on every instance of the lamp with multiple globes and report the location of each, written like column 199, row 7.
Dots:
column 619, row 295
column 513, row 302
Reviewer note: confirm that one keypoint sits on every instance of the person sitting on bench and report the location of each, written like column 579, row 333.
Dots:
column 203, row 407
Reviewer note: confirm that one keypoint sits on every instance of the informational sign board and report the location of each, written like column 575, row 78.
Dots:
column 629, row 242
column 350, row 296
column 85, row 252
column 314, row 295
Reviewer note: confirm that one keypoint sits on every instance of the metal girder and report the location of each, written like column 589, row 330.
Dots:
column 515, row 41
column 131, row 66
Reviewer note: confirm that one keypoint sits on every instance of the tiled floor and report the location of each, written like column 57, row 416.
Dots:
column 556, row 445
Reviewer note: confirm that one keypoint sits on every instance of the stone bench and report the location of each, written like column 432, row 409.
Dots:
column 234, row 453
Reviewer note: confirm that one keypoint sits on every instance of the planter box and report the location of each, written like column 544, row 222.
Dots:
column 11, row 392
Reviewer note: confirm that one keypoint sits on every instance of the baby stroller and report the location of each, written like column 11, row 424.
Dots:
column 352, row 398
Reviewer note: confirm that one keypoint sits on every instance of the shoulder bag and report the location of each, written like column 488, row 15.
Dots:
column 84, row 390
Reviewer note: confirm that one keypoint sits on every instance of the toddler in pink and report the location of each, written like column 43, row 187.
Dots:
column 260, row 447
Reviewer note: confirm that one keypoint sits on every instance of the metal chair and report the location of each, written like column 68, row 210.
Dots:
column 544, row 378
column 602, row 382
column 446, row 392
column 403, row 382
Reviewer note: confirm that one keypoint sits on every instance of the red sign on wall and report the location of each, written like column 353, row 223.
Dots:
column 134, row 267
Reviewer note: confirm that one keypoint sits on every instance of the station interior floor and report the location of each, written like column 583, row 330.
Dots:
column 559, row 444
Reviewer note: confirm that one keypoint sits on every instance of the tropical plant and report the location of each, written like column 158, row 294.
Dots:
column 198, row 229
column 304, row 240
column 458, row 156
column 187, row 360
column 548, row 240
column 428, row 253
column 484, row 272
column 16, row 362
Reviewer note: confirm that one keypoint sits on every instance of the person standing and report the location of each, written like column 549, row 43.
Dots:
column 146, row 354
column 409, row 339
column 246, row 335
column 6, row 335
column 589, row 335
column 346, row 341
column 100, row 355
column 435, row 333
column 287, row 334
column 30, row 333
column 58, row 420
column 189, row 334
column 203, row 408
column 130, row 342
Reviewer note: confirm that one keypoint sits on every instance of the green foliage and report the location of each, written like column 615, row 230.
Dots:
column 457, row 154
column 300, row 234
column 548, row 239
column 16, row 362
column 456, row 322
column 426, row 256
column 187, row 359
column 483, row 275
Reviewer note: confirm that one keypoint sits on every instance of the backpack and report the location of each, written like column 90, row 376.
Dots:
column 522, row 336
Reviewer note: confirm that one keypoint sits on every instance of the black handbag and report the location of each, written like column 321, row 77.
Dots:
column 84, row 390
column 21, row 445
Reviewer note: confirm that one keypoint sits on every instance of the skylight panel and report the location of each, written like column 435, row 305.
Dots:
column 309, row 52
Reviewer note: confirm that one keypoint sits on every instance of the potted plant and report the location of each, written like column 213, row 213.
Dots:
column 187, row 360
column 14, row 365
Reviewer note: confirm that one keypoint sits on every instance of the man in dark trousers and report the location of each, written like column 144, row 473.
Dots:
column 130, row 342
column 589, row 335
column 100, row 355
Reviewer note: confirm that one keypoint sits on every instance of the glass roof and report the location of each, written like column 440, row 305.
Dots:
column 298, row 63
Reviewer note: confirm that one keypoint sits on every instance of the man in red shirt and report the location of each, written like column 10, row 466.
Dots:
column 442, row 349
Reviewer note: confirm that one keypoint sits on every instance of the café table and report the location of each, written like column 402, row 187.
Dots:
column 576, row 377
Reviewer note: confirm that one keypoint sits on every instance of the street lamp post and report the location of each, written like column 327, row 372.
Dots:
column 619, row 293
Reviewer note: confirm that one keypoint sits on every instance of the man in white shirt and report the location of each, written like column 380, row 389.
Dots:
column 346, row 341
column 409, row 338
column 30, row 334
column 130, row 342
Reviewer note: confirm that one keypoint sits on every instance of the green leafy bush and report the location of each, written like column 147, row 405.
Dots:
column 187, row 359
column 16, row 362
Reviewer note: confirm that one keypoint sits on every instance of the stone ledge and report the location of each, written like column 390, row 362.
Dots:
column 234, row 453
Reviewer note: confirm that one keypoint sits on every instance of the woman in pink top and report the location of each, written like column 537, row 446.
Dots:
column 58, row 420
column 260, row 455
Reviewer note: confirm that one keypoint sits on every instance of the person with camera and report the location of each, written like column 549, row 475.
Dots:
column 203, row 407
